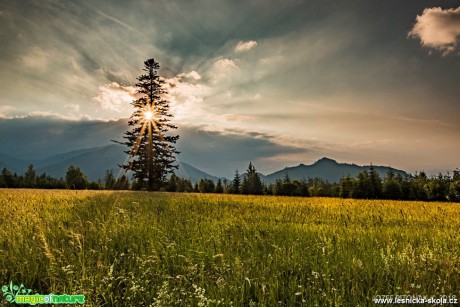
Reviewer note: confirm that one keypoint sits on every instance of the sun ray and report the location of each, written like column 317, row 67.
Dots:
column 138, row 140
column 148, row 115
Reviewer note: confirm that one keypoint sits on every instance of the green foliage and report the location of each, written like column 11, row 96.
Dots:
column 437, row 188
column 122, row 183
column 219, row 186
column 312, row 187
column 151, row 148
column 392, row 186
column 30, row 179
column 454, row 191
column 75, row 179
column 367, row 185
column 170, row 249
column 109, row 180
column 454, row 187
column 347, row 186
column 95, row 185
column 251, row 182
column 376, row 184
column 392, row 189
column 206, row 186
column 8, row 179
column 235, row 188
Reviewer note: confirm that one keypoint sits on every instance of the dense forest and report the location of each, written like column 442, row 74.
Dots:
column 366, row 185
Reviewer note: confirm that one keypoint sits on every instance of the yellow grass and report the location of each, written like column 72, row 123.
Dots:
column 170, row 249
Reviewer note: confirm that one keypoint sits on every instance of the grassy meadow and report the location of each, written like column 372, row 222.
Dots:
column 167, row 249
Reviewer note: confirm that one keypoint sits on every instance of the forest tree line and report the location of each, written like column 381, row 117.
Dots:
column 366, row 185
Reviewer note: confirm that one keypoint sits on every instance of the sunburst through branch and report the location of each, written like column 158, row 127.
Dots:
column 148, row 115
column 151, row 152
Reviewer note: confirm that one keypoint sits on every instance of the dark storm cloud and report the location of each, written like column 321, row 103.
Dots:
column 219, row 152
column 68, row 57
column 38, row 137
column 227, row 150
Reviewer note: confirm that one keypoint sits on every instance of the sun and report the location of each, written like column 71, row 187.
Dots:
column 148, row 115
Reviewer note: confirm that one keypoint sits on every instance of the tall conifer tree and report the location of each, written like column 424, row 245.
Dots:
column 151, row 149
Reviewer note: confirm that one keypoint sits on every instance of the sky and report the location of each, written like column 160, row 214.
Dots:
column 277, row 83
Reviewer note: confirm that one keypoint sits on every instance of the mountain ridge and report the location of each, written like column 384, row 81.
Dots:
column 327, row 169
column 95, row 161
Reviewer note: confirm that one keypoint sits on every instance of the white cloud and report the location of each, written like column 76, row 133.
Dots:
column 190, row 75
column 5, row 110
column 54, row 115
column 223, row 69
column 186, row 97
column 73, row 107
column 245, row 46
column 225, row 65
column 115, row 97
column 438, row 28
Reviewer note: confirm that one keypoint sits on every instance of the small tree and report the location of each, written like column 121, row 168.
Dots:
column 75, row 179
column 347, row 186
column 109, row 180
column 122, row 183
column 288, row 188
column 391, row 187
column 376, row 183
column 245, row 185
column 454, row 191
column 301, row 188
column 219, row 187
column 251, row 182
column 184, row 185
column 236, row 183
column 95, row 185
column 363, row 187
column 206, row 186
column 8, row 179
column 30, row 178
column 172, row 183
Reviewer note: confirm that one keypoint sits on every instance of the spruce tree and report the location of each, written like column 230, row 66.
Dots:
column 151, row 149
column 109, row 180
column 219, row 187
column 30, row 178
column 8, row 179
column 391, row 187
column 376, row 183
column 236, row 183
column 251, row 182
column 75, row 179
column 347, row 185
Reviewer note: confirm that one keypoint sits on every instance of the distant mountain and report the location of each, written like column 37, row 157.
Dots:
column 12, row 164
column 193, row 174
column 94, row 162
column 326, row 169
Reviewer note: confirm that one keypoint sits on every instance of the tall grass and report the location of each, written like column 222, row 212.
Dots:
column 166, row 249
